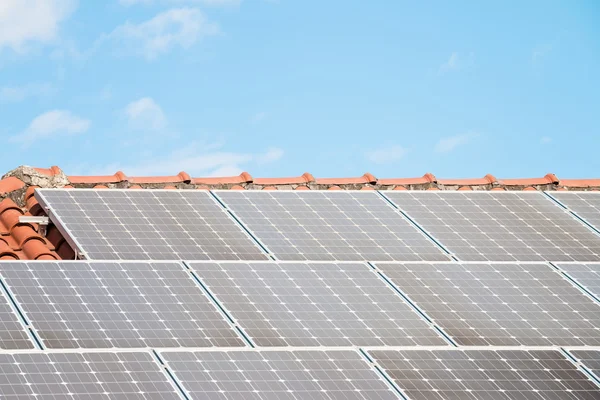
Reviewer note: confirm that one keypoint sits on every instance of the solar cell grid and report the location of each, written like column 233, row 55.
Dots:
column 148, row 225
column 485, row 374
column 112, row 304
column 584, row 204
column 500, row 304
column 587, row 275
column 500, row 226
column 314, row 304
column 252, row 375
column 12, row 332
column 589, row 358
column 330, row 226
column 124, row 375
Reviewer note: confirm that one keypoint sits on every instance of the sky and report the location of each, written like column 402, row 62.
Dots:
column 282, row 87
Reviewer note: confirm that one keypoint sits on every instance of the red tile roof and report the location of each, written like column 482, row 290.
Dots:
column 22, row 240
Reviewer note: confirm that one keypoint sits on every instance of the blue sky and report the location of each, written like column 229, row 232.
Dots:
column 281, row 87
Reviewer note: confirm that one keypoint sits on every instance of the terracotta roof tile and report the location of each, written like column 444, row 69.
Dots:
column 22, row 241
column 10, row 184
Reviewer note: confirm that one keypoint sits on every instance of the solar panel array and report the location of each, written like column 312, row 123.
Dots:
column 293, row 375
column 500, row 226
column 316, row 304
column 500, row 304
column 485, row 374
column 148, row 225
column 123, row 305
column 330, row 226
column 124, row 375
column 585, row 204
column 355, row 269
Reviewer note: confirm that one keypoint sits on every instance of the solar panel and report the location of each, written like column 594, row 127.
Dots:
column 500, row 226
column 12, row 332
column 584, row 204
column 589, row 358
column 485, row 374
column 500, row 304
column 125, row 375
column 315, row 304
column 148, row 225
column 302, row 374
column 330, row 226
column 110, row 304
column 587, row 275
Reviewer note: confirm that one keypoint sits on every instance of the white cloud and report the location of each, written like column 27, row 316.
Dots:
column 55, row 122
column 446, row 145
column 545, row 140
column 16, row 94
column 195, row 159
column 540, row 52
column 145, row 114
column 456, row 62
column 203, row 2
column 259, row 116
column 178, row 27
column 386, row 155
column 24, row 21
column 272, row 154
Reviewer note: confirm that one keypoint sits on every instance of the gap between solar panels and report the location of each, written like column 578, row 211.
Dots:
column 500, row 226
column 584, row 206
column 500, row 304
column 11, row 337
column 586, row 359
column 585, row 276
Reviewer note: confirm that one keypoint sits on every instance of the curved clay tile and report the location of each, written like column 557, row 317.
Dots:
column 237, row 187
column 6, row 252
column 335, row 187
column 302, row 187
column 463, row 188
column 10, row 184
column 269, row 188
column 35, row 249
column 427, row 178
column 244, row 177
column 294, row 180
column 400, row 188
column 65, row 252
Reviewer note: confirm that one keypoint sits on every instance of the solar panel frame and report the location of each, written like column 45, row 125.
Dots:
column 584, row 275
column 584, row 205
column 83, row 251
column 467, row 322
column 11, row 325
column 207, row 272
column 85, row 374
column 277, row 373
column 102, row 318
column 473, row 248
column 429, row 247
column 511, row 373
column 589, row 358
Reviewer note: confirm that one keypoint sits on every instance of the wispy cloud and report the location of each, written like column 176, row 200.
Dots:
column 16, row 94
column 386, row 155
column 540, row 52
column 545, row 140
column 145, row 114
column 258, row 117
column 448, row 144
column 457, row 62
column 51, row 123
column 23, row 22
column 178, row 27
column 196, row 159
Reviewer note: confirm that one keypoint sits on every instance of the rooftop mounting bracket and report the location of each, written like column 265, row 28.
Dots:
column 41, row 221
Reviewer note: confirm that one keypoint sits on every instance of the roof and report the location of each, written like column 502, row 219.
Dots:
column 22, row 241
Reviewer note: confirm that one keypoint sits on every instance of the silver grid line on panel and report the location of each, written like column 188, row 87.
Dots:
column 556, row 198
